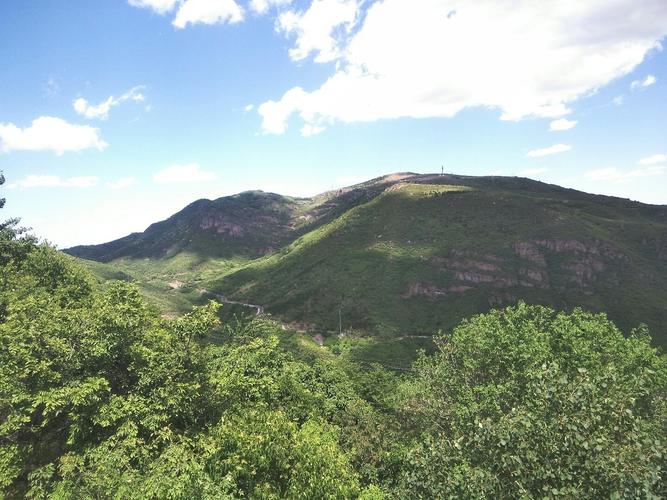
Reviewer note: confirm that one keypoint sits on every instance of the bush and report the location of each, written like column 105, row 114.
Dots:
column 526, row 402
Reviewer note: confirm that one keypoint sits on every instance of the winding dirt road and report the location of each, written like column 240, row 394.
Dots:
column 224, row 300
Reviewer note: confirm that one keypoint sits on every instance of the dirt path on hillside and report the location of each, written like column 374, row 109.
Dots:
column 259, row 310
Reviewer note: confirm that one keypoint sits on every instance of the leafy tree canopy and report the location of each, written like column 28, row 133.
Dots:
column 526, row 402
column 102, row 397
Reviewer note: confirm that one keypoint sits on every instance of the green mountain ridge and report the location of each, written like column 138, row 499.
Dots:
column 246, row 225
column 406, row 254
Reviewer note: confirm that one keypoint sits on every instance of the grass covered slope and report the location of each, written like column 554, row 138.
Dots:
column 245, row 225
column 425, row 253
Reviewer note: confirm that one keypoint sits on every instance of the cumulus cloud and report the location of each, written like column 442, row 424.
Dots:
column 101, row 110
column 641, row 84
column 616, row 175
column 159, row 6
column 308, row 130
column 122, row 183
column 551, row 150
column 208, row 12
column 276, row 113
column 562, row 124
column 195, row 11
column 248, row 108
column 320, row 29
column 50, row 181
column 653, row 160
column 433, row 58
column 262, row 6
column 48, row 133
column 183, row 174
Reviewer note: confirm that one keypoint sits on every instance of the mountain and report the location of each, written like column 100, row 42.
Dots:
column 246, row 225
column 406, row 255
column 249, row 224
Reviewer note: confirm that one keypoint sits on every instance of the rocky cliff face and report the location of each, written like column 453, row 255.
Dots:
column 549, row 264
column 246, row 225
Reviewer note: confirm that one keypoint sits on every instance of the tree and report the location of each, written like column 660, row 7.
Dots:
column 526, row 402
column 101, row 397
column 14, row 242
column 2, row 181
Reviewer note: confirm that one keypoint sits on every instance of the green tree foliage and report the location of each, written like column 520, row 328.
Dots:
column 14, row 242
column 529, row 403
column 100, row 396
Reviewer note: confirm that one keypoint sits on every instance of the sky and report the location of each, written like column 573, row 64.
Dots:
column 117, row 113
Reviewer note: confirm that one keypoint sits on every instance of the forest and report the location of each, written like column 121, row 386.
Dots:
column 103, row 397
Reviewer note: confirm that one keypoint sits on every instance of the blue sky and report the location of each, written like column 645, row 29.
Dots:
column 117, row 113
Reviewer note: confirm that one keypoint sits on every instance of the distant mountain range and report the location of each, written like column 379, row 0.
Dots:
column 408, row 254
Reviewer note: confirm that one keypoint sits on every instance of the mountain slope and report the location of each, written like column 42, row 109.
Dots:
column 425, row 254
column 406, row 254
column 247, row 225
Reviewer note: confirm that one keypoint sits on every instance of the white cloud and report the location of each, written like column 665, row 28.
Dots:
column 42, row 181
column 122, row 183
column 646, row 82
column 159, row 6
column 262, row 6
column 320, row 29
column 615, row 175
column 248, row 108
column 183, row 174
column 653, row 160
column 102, row 109
column 562, row 124
column 309, row 130
column 276, row 113
column 433, row 58
column 195, row 11
column 533, row 171
column 207, row 12
column 551, row 150
column 618, row 100
column 48, row 133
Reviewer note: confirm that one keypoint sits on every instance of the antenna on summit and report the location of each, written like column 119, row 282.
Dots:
column 442, row 170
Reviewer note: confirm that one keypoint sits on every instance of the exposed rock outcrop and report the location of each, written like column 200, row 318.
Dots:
column 541, row 263
column 432, row 291
column 528, row 251
column 221, row 226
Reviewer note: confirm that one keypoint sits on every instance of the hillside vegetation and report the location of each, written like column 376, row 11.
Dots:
column 101, row 397
column 403, row 256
